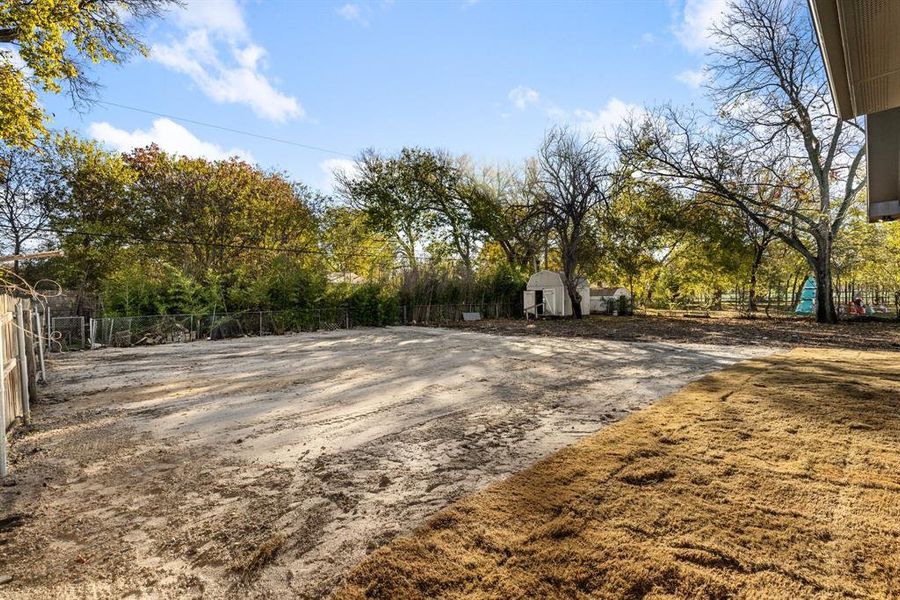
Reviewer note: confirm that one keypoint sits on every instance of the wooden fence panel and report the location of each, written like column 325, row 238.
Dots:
column 11, row 376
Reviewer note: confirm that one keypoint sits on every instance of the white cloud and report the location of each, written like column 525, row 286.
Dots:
column 693, row 79
column 166, row 134
column 522, row 96
column 352, row 12
column 607, row 119
column 693, row 22
column 218, row 56
column 332, row 166
column 218, row 16
column 646, row 39
column 556, row 113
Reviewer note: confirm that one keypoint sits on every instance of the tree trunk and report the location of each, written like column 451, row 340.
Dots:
column 797, row 289
column 571, row 284
column 825, row 310
column 754, row 269
column 574, row 296
column 631, row 289
column 17, row 249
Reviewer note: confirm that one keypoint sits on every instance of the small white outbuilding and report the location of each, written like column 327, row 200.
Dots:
column 546, row 295
column 601, row 297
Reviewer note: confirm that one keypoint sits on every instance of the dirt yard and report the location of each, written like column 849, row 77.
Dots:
column 717, row 329
column 269, row 467
column 777, row 478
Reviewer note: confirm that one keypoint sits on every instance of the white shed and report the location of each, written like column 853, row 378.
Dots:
column 600, row 297
column 546, row 295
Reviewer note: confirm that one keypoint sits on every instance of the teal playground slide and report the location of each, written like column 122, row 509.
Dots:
column 807, row 304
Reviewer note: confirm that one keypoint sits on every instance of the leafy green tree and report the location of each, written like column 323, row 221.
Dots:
column 90, row 210
column 217, row 215
column 413, row 196
column 636, row 231
column 394, row 195
column 352, row 246
column 505, row 213
column 46, row 46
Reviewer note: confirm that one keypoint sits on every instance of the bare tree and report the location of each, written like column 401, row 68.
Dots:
column 774, row 149
column 572, row 181
column 24, row 213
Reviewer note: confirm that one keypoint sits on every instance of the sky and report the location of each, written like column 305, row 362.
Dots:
column 484, row 78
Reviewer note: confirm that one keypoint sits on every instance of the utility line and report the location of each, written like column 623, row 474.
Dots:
column 224, row 246
column 228, row 129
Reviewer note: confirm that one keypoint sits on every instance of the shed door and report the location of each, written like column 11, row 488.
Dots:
column 539, row 301
column 528, row 302
column 550, row 301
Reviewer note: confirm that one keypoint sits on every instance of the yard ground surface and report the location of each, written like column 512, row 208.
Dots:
column 775, row 478
column 717, row 329
column 268, row 467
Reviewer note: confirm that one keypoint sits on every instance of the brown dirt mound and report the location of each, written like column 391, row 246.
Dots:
column 776, row 478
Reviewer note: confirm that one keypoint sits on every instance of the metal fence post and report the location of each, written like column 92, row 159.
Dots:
column 37, row 319
column 260, row 324
column 23, row 362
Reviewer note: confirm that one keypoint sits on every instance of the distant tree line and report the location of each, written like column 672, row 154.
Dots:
column 754, row 194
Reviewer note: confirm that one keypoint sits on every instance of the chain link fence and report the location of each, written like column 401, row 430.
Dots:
column 162, row 329
column 435, row 314
column 75, row 333
column 67, row 333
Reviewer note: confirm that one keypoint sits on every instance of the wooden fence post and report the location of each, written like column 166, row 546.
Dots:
column 23, row 362
column 3, row 397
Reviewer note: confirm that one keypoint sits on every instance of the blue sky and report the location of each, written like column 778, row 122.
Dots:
column 484, row 78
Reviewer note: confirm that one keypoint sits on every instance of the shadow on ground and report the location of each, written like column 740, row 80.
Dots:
column 269, row 467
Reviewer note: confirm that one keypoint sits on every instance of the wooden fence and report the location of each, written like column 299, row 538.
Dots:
column 20, row 361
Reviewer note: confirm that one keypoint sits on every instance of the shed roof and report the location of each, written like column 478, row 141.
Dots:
column 558, row 276
column 607, row 291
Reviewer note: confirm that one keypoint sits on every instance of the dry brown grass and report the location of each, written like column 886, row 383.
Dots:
column 250, row 565
column 776, row 478
column 719, row 329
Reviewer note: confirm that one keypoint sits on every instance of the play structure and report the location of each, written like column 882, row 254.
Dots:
column 807, row 304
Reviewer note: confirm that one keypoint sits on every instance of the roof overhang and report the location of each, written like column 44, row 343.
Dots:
column 861, row 49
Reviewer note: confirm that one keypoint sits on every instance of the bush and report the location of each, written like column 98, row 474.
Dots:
column 373, row 304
